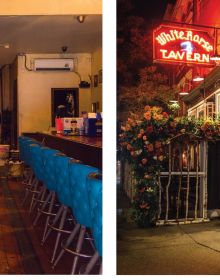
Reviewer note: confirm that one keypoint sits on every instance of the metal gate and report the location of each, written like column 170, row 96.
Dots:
column 182, row 189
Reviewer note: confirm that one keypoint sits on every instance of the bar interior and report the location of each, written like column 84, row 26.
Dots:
column 51, row 137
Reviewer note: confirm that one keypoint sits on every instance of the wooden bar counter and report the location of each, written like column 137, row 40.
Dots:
column 86, row 149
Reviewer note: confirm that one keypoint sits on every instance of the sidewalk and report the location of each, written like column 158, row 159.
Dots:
column 182, row 250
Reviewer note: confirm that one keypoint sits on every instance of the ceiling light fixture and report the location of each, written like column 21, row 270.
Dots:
column 81, row 18
column 182, row 93
column 198, row 78
column 215, row 57
column 173, row 101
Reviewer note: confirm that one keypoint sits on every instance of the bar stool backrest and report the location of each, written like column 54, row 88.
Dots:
column 37, row 161
column 61, row 166
column 27, row 152
column 48, row 165
column 79, row 194
column 21, row 143
column 94, row 184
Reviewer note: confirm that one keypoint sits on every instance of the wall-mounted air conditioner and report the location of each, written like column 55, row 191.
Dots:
column 53, row 64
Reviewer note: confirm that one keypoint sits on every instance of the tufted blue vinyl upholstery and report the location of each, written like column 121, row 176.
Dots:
column 61, row 165
column 48, row 165
column 27, row 152
column 37, row 161
column 21, row 143
column 95, row 201
column 79, row 194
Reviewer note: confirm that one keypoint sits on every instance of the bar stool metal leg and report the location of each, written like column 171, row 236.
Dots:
column 55, row 220
column 34, row 191
column 40, row 197
column 42, row 208
column 61, row 225
column 68, row 242
column 78, row 248
column 28, row 188
column 53, row 197
column 92, row 263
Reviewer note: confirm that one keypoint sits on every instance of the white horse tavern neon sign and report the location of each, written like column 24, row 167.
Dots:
column 182, row 45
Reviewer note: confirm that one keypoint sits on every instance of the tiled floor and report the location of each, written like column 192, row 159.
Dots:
column 21, row 251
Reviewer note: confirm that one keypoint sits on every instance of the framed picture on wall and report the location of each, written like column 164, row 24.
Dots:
column 100, row 76
column 64, row 102
column 95, row 80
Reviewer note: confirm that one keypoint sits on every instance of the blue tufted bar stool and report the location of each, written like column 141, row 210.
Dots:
column 24, row 156
column 33, row 189
column 21, row 140
column 94, row 184
column 80, row 206
column 61, row 165
column 50, row 183
column 39, row 189
column 27, row 156
column 26, row 149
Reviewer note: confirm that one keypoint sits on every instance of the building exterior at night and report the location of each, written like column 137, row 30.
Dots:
column 203, row 99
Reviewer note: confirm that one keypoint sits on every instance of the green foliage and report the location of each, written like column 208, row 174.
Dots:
column 153, row 88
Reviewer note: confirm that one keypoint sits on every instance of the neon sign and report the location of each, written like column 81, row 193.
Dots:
column 181, row 45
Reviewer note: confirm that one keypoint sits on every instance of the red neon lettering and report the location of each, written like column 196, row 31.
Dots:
column 163, row 38
column 181, row 34
column 197, row 57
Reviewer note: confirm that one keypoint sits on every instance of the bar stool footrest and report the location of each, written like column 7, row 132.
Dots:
column 74, row 252
column 46, row 213
column 58, row 229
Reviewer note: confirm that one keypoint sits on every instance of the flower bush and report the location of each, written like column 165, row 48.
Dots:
column 142, row 144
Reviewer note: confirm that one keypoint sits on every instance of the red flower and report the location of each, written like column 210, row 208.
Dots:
column 165, row 115
column 150, row 129
column 144, row 206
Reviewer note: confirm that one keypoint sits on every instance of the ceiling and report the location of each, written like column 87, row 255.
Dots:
column 47, row 34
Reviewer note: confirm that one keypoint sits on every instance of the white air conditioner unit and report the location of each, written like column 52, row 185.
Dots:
column 53, row 64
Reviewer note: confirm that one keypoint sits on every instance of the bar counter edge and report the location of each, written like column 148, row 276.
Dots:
column 86, row 149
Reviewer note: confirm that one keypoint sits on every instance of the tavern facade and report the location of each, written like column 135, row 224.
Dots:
column 203, row 99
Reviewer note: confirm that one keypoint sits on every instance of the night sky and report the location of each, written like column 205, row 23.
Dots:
column 150, row 9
